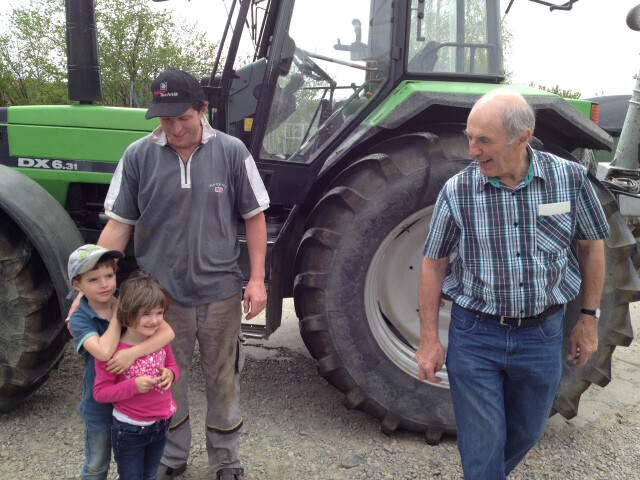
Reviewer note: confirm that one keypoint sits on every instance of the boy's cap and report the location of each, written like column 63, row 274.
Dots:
column 174, row 91
column 85, row 258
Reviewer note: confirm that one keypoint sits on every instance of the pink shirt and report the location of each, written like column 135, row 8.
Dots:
column 121, row 390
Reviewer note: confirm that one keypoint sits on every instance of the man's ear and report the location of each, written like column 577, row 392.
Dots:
column 523, row 140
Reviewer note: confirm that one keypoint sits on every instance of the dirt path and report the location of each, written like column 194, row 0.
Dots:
column 296, row 427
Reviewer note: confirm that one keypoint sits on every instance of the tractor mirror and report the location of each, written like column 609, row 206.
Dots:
column 633, row 18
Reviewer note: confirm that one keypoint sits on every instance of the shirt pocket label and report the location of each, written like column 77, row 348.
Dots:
column 558, row 208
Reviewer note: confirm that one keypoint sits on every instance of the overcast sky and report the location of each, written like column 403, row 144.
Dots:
column 589, row 49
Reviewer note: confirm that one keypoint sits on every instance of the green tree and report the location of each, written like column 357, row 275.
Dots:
column 558, row 91
column 32, row 59
column 135, row 44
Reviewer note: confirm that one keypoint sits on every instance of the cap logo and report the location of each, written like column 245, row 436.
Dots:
column 84, row 253
column 174, row 91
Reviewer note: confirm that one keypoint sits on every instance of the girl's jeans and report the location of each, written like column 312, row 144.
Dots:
column 138, row 450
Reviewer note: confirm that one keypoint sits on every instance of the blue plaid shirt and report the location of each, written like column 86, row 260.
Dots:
column 516, row 255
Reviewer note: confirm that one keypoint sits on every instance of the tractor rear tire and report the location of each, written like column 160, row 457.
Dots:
column 33, row 336
column 358, row 310
column 621, row 287
column 357, row 272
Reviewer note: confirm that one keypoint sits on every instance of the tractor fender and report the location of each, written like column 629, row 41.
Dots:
column 44, row 221
column 556, row 120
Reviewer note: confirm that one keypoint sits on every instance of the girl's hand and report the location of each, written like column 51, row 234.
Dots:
column 145, row 384
column 120, row 361
column 166, row 378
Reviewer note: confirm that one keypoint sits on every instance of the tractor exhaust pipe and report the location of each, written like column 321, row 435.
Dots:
column 83, row 64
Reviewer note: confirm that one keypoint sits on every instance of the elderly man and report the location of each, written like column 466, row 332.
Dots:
column 183, row 187
column 528, row 227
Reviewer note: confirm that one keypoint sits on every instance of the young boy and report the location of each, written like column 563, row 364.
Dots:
column 96, row 332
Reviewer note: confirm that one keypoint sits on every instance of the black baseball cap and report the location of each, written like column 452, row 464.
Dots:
column 174, row 91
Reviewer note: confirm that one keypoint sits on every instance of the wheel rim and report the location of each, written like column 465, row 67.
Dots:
column 391, row 294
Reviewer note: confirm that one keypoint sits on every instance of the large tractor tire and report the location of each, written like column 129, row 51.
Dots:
column 614, row 328
column 32, row 336
column 355, row 290
column 36, row 237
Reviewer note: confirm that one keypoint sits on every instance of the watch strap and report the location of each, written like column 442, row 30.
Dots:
column 586, row 311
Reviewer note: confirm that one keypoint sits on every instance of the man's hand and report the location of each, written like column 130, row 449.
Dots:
column 255, row 295
column 166, row 378
column 584, row 340
column 145, row 384
column 74, row 306
column 255, row 298
column 430, row 359
column 120, row 361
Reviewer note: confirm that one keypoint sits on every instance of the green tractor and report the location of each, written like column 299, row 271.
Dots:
column 355, row 122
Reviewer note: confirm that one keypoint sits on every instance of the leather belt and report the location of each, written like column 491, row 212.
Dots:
column 519, row 322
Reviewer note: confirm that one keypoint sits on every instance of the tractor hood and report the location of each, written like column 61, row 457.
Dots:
column 48, row 142
column 82, row 116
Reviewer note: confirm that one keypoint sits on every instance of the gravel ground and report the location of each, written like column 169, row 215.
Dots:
column 296, row 427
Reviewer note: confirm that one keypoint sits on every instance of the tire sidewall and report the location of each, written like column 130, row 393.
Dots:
column 381, row 379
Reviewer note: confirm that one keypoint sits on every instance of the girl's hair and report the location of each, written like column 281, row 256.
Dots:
column 139, row 293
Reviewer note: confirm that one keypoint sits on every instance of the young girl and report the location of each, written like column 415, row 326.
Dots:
column 142, row 402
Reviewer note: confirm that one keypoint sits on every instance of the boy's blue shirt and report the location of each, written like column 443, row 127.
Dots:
column 85, row 323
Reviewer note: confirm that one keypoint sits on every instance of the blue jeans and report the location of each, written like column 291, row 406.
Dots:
column 138, row 450
column 503, row 381
column 97, row 449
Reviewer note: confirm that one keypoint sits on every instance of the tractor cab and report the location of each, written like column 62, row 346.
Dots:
column 315, row 75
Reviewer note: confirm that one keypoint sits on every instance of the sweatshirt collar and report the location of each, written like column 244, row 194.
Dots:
column 160, row 138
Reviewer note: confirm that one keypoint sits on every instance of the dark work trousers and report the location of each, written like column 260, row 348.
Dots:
column 216, row 327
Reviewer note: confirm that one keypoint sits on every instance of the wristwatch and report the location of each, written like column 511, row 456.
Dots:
column 594, row 313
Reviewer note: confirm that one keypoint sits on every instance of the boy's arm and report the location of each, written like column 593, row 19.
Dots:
column 102, row 347
column 169, row 372
column 170, row 363
column 123, row 359
column 105, row 388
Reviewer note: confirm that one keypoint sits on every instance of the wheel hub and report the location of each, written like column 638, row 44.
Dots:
column 391, row 294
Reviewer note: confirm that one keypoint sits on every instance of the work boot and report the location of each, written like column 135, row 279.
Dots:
column 229, row 473
column 166, row 473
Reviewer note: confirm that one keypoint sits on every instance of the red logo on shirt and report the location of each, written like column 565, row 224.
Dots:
column 219, row 189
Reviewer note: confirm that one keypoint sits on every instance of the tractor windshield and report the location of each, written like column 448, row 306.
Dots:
column 337, row 65
column 455, row 37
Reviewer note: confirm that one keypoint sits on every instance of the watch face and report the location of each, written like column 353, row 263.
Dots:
column 597, row 315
